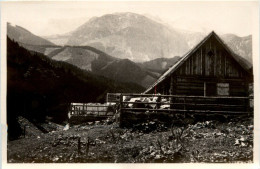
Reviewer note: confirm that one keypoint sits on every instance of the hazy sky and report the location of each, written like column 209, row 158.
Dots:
column 47, row 18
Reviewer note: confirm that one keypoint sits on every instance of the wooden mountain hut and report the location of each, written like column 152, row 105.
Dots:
column 209, row 78
column 211, row 68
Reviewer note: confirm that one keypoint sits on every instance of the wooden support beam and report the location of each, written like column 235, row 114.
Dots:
column 205, row 87
column 181, row 96
column 181, row 110
column 120, row 111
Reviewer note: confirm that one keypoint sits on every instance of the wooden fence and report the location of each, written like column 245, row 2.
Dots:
column 83, row 112
column 207, row 105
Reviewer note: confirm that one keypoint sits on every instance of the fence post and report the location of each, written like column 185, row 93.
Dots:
column 248, row 108
column 184, row 102
column 171, row 105
column 120, row 111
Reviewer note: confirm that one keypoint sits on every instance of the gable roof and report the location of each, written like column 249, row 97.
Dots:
column 242, row 62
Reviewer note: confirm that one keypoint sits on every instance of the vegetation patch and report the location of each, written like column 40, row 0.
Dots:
column 202, row 142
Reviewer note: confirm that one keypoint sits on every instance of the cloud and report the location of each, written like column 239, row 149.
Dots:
column 45, row 18
column 62, row 25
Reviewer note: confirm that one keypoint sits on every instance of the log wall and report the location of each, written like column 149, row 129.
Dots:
column 203, row 70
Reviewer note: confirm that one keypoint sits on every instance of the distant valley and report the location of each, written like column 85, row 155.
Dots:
column 100, row 63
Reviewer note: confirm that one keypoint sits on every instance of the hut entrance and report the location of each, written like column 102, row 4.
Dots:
column 210, row 89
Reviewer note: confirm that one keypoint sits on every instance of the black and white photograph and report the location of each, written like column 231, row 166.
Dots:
column 149, row 82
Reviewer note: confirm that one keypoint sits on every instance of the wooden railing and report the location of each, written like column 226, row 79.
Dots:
column 225, row 105
column 83, row 109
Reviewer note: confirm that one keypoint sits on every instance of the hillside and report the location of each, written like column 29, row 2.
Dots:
column 150, row 142
column 38, row 86
column 160, row 64
column 59, row 39
column 20, row 34
column 100, row 63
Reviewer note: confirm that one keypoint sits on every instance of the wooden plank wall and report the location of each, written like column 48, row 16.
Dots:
column 220, row 64
column 239, row 89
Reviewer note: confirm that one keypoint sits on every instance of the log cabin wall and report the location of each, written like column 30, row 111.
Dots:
column 209, row 71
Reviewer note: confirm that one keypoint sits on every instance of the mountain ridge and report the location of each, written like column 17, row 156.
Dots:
column 100, row 63
column 129, row 35
column 143, row 38
column 23, row 35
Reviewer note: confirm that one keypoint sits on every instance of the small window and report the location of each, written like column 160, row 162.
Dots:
column 223, row 89
column 211, row 53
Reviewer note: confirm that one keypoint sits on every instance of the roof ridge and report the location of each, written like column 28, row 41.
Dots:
column 186, row 55
column 162, row 77
column 238, row 58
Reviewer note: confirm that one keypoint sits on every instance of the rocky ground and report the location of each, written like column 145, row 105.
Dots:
column 206, row 142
